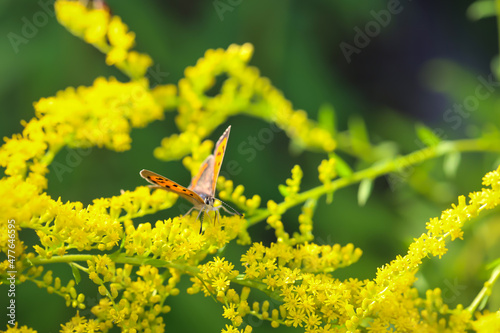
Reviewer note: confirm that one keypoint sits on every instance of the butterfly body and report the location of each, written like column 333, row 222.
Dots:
column 201, row 190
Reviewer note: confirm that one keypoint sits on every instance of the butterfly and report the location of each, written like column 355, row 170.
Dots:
column 201, row 191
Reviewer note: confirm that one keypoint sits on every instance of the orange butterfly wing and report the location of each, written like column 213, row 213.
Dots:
column 219, row 151
column 169, row 185
column 202, row 182
column 206, row 179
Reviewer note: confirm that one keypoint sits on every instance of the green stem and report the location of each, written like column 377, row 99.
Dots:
column 122, row 259
column 50, row 154
column 486, row 291
column 376, row 170
column 119, row 259
column 61, row 259
column 240, row 279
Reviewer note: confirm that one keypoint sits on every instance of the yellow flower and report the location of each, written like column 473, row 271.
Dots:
column 327, row 171
column 230, row 311
column 108, row 33
column 22, row 329
column 118, row 34
column 230, row 329
column 116, row 55
column 296, row 317
column 97, row 23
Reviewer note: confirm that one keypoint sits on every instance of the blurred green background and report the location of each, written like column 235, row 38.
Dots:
column 418, row 64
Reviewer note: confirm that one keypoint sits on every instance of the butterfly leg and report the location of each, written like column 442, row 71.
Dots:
column 189, row 211
column 201, row 221
column 217, row 216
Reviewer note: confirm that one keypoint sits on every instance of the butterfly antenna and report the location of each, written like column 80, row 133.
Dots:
column 226, row 206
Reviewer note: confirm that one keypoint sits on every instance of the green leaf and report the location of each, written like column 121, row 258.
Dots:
column 329, row 198
column 343, row 169
column 364, row 191
column 76, row 273
column 327, row 118
column 483, row 303
column 283, row 190
column 496, row 163
column 493, row 264
column 357, row 128
column 451, row 163
column 427, row 135
column 481, row 9
column 221, row 251
column 297, row 146
column 359, row 135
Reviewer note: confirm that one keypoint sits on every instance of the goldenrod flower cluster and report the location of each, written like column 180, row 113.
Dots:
column 108, row 33
column 327, row 171
column 136, row 267
column 290, row 192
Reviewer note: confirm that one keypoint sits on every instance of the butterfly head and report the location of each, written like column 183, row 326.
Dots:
column 209, row 201
column 212, row 203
